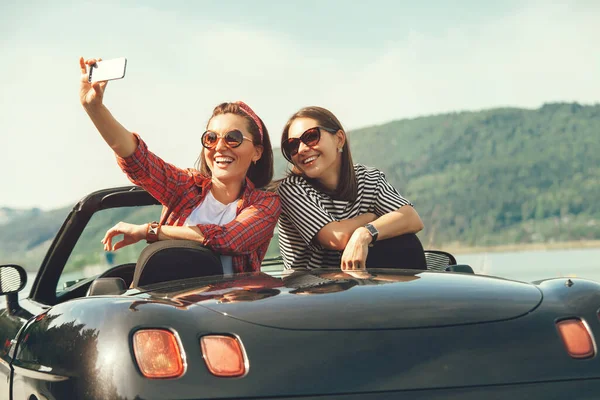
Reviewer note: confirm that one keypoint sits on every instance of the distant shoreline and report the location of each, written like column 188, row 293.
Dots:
column 457, row 248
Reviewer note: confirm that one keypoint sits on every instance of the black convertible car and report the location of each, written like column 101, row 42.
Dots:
column 114, row 329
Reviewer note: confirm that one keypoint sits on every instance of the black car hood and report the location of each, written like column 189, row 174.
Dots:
column 386, row 299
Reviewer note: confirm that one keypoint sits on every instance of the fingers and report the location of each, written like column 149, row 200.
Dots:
column 107, row 239
column 353, row 265
column 131, row 234
column 98, row 87
column 107, row 235
column 107, row 244
column 84, row 72
column 82, row 65
column 355, row 254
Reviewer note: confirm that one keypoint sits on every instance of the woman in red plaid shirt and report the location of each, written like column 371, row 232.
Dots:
column 219, row 204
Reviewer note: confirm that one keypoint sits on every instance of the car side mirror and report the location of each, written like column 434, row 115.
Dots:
column 13, row 279
column 464, row 268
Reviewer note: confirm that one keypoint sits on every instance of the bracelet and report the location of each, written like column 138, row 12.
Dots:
column 152, row 232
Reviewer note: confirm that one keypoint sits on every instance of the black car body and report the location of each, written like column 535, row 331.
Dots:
column 319, row 334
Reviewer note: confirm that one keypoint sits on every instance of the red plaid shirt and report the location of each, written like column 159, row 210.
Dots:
column 246, row 238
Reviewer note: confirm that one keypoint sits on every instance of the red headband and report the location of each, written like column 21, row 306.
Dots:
column 246, row 108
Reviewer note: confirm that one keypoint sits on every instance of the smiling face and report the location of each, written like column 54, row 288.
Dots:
column 230, row 165
column 321, row 161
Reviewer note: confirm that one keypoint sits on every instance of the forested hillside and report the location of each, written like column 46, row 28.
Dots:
column 495, row 177
column 501, row 176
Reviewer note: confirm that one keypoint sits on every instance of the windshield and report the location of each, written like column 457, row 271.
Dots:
column 89, row 259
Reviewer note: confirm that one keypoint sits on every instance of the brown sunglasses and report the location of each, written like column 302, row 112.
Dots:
column 232, row 139
column 310, row 137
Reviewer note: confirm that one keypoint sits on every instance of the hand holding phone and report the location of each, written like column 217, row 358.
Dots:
column 107, row 70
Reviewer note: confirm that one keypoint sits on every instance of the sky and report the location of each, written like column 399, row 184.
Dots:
column 370, row 63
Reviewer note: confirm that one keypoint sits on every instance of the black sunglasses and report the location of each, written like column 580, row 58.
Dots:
column 310, row 137
column 232, row 139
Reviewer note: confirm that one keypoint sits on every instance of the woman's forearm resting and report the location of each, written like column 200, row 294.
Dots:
column 335, row 235
column 180, row 232
column 399, row 222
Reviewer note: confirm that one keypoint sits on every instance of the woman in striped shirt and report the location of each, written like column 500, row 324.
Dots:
column 332, row 209
column 219, row 204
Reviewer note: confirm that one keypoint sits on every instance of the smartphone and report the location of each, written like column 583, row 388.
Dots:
column 107, row 70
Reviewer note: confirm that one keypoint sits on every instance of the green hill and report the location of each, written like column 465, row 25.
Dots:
column 26, row 235
column 500, row 176
column 491, row 177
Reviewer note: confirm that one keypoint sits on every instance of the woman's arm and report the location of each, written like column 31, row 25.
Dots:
column 114, row 134
column 397, row 217
column 395, row 223
column 303, row 208
column 134, row 233
column 335, row 235
column 163, row 181
column 244, row 234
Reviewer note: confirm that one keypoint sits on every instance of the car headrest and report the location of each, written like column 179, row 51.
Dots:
column 169, row 260
column 438, row 260
column 107, row 286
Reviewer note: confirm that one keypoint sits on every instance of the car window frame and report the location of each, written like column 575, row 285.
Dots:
column 43, row 289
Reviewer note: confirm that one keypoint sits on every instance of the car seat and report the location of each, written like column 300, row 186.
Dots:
column 168, row 260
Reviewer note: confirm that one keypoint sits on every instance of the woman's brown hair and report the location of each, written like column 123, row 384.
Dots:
column 260, row 173
column 347, row 186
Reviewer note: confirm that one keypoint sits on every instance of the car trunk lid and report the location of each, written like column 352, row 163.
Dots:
column 383, row 299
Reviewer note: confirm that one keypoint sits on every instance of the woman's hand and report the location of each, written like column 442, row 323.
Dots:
column 120, row 140
column 131, row 234
column 90, row 94
column 355, row 254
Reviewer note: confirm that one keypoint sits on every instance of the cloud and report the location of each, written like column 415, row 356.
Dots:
column 181, row 65
column 539, row 54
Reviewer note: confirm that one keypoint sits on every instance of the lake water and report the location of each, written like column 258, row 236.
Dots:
column 530, row 266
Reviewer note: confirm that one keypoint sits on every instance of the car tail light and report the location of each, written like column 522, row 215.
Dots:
column 576, row 337
column 158, row 354
column 224, row 355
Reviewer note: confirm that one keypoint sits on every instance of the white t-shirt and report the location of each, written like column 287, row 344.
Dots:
column 211, row 211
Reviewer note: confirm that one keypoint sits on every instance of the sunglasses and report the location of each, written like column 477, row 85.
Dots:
column 310, row 137
column 232, row 139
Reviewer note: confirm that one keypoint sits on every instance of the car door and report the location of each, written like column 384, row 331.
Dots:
column 12, row 320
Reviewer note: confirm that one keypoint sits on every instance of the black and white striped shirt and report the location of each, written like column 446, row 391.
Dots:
column 306, row 210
